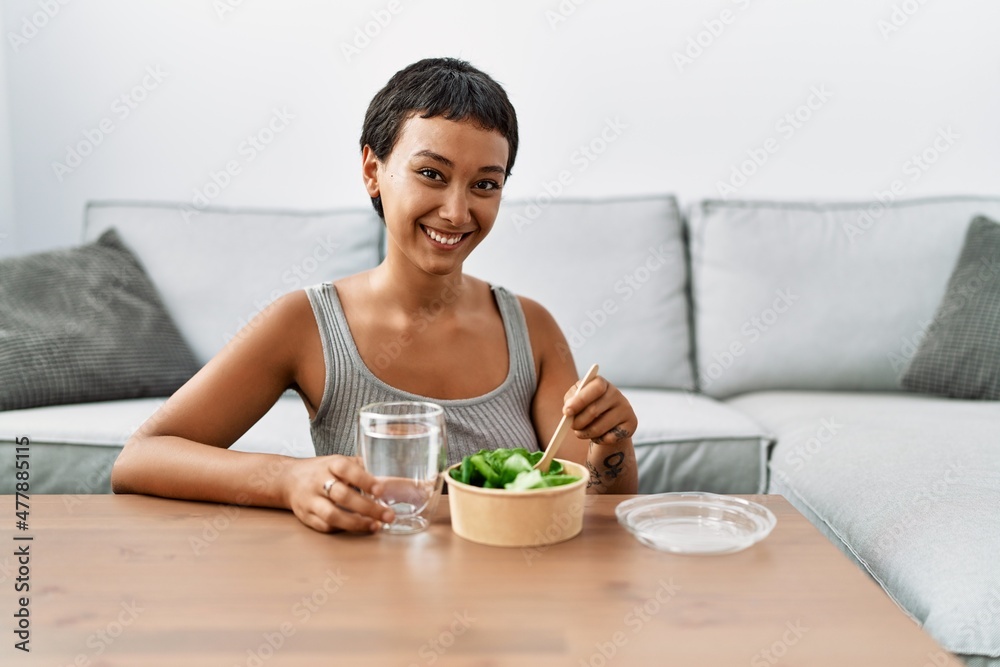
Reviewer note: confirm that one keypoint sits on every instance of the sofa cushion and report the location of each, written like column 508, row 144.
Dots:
column 216, row 268
column 819, row 296
column 907, row 485
column 960, row 354
column 85, row 324
column 690, row 442
column 613, row 274
column 74, row 446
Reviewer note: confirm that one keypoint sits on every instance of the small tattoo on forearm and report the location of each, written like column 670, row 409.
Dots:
column 595, row 476
column 613, row 463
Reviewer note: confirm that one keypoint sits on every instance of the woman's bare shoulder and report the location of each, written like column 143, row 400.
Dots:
column 282, row 324
column 547, row 339
column 537, row 317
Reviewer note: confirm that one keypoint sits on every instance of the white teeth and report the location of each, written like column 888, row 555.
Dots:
column 440, row 238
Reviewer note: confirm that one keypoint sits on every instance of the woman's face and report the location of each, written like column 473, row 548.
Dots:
column 440, row 189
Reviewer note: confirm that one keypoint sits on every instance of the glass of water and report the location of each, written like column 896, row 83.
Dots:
column 403, row 444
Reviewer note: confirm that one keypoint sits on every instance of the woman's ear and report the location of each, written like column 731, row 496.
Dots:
column 369, row 171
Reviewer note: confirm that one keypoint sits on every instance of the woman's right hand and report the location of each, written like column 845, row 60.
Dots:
column 345, row 508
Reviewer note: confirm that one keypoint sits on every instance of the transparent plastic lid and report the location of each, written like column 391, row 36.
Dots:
column 695, row 523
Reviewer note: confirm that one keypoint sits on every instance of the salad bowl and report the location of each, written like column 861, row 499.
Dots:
column 509, row 518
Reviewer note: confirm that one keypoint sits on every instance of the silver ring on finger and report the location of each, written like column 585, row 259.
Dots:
column 327, row 485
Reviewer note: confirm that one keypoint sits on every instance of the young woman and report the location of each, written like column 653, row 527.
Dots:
column 438, row 144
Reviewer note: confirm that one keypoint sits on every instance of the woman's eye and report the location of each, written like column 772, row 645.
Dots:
column 429, row 173
column 487, row 185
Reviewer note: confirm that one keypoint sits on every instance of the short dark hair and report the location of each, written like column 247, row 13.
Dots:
column 446, row 87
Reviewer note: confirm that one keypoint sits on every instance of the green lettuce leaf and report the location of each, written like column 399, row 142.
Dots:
column 511, row 469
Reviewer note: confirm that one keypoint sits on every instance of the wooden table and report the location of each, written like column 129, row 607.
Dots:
column 137, row 581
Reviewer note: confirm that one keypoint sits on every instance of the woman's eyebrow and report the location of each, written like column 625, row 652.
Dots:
column 437, row 157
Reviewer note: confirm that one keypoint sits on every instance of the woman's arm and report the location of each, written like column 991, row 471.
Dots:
column 181, row 451
column 603, row 420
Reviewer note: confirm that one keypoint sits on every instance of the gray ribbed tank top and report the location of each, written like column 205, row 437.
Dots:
column 499, row 418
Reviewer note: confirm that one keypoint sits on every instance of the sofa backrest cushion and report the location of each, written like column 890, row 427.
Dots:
column 613, row 274
column 216, row 268
column 819, row 296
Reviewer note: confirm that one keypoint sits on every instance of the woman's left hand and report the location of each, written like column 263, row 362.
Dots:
column 600, row 412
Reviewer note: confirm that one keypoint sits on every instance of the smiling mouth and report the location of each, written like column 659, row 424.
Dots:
column 443, row 239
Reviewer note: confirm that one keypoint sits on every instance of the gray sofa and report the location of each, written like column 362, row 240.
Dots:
column 761, row 344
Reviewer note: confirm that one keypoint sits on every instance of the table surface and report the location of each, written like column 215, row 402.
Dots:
column 135, row 580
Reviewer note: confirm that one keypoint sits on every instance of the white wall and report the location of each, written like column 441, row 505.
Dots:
column 685, row 128
column 8, row 240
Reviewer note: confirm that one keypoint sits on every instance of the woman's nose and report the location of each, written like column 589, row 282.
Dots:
column 455, row 208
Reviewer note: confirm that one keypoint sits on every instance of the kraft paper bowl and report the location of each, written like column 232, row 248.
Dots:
column 532, row 518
